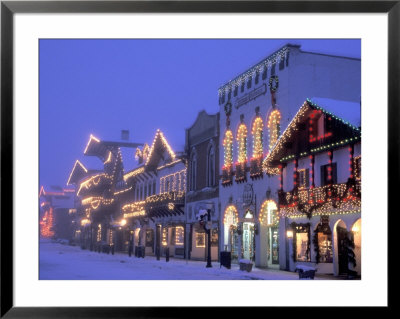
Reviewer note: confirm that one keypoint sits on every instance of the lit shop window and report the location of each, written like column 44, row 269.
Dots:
column 325, row 247
column 200, row 240
column 302, row 242
column 179, row 236
column 274, row 122
column 241, row 138
column 164, row 240
column 257, row 132
column 99, row 232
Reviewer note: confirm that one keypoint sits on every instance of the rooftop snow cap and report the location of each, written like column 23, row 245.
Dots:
column 346, row 110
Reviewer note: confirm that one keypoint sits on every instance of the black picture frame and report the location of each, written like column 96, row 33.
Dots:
column 9, row 8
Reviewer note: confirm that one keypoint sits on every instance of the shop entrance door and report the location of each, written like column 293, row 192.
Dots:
column 342, row 251
column 248, row 237
column 273, row 246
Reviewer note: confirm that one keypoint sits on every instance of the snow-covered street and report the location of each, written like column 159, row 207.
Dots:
column 59, row 261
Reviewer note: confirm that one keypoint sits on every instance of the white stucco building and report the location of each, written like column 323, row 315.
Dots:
column 255, row 108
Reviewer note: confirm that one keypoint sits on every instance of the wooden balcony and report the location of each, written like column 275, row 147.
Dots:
column 256, row 170
column 240, row 174
column 309, row 200
column 166, row 204
column 227, row 175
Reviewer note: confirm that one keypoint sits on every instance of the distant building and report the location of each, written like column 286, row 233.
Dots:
column 55, row 212
column 202, row 149
column 98, row 210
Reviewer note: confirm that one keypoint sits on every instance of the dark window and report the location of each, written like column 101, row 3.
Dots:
column 229, row 94
column 235, row 92
column 223, row 98
column 257, row 78
column 264, row 74
column 281, row 64
column 325, row 180
column 211, row 167
column 273, row 70
column 242, row 87
column 249, row 82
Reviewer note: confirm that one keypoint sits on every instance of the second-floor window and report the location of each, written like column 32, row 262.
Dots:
column 211, row 167
column 274, row 122
column 304, row 178
column 193, row 172
column 242, row 143
column 257, row 132
column 328, row 174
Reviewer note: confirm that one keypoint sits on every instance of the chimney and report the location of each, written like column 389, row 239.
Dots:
column 125, row 135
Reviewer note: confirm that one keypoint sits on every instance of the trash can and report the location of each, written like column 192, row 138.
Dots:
column 225, row 259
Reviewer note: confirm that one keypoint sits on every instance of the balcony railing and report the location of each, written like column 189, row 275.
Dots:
column 166, row 198
column 240, row 174
column 334, row 194
column 227, row 175
column 256, row 170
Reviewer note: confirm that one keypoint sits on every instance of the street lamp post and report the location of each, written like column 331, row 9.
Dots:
column 208, row 229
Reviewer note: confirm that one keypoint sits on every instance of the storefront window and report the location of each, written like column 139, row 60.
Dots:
column 179, row 236
column 200, row 240
column 302, row 245
column 165, row 236
column 325, row 247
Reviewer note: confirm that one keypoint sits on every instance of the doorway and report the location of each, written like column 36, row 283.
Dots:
column 248, row 241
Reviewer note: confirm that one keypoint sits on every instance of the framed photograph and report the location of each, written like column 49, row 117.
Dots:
column 121, row 117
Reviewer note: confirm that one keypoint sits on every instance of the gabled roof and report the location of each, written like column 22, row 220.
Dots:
column 349, row 112
column 157, row 149
column 348, row 132
column 78, row 172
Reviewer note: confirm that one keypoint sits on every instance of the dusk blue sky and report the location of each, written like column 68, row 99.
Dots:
column 101, row 87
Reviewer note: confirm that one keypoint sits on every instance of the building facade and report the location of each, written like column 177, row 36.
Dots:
column 154, row 205
column 319, row 162
column 256, row 107
column 202, row 151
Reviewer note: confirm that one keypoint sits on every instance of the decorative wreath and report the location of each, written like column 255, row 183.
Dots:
column 273, row 79
column 228, row 109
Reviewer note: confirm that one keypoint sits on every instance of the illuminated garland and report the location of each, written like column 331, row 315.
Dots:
column 228, row 148
column 257, row 132
column 231, row 216
column 133, row 173
column 90, row 140
column 274, row 128
column 47, row 223
column 73, row 169
column 160, row 135
column 259, row 68
column 273, row 79
column 263, row 216
column 241, row 138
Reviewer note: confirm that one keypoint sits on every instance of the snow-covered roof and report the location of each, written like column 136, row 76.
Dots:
column 345, row 110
